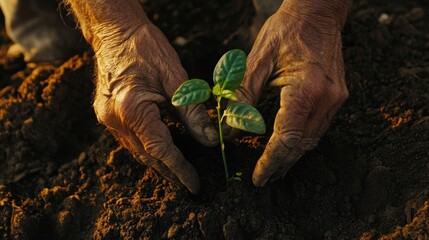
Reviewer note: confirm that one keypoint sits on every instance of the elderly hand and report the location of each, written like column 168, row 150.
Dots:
column 299, row 50
column 136, row 69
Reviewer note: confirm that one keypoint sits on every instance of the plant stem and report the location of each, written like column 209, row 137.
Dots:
column 222, row 145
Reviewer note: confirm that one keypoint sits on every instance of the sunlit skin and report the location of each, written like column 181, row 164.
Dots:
column 297, row 49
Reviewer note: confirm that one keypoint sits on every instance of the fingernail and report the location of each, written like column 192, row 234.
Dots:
column 258, row 182
column 210, row 133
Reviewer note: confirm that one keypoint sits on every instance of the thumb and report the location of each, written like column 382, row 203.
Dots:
column 199, row 124
column 195, row 117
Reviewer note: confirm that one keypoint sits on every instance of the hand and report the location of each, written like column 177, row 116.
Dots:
column 137, row 69
column 303, row 57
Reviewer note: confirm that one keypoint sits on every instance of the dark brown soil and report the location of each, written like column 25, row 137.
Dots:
column 63, row 176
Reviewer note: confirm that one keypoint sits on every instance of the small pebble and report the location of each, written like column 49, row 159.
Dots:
column 180, row 41
column 385, row 19
column 81, row 158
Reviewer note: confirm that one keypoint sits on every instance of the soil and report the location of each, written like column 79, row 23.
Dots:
column 63, row 176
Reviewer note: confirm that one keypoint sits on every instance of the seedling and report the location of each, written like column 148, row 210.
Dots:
column 227, row 76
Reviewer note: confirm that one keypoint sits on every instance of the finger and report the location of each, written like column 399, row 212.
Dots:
column 161, row 168
column 294, row 155
column 328, row 99
column 289, row 127
column 157, row 142
column 195, row 117
column 130, row 141
column 199, row 124
column 328, row 103
column 307, row 143
column 315, row 129
column 314, row 100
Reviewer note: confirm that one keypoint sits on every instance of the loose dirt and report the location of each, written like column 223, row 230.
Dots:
column 63, row 176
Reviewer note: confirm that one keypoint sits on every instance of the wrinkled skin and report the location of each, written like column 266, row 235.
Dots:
column 137, row 68
column 132, row 78
column 303, row 57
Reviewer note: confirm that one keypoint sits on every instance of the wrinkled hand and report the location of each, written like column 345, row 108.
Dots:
column 304, row 59
column 137, row 69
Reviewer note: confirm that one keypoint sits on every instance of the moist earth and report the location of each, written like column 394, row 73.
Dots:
column 63, row 176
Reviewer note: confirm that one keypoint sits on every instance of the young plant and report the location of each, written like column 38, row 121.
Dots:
column 227, row 76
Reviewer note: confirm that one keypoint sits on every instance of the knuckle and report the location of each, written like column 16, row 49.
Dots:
column 121, row 108
column 316, row 90
column 296, row 100
column 308, row 99
column 145, row 159
column 290, row 138
column 339, row 95
column 344, row 94
column 138, row 117
column 102, row 113
column 166, row 153
column 158, row 149
column 324, row 127
column 128, row 109
column 308, row 144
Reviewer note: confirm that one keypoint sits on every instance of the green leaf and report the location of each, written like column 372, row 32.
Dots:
column 229, row 94
column 236, row 177
column 193, row 91
column 225, row 93
column 217, row 90
column 230, row 69
column 245, row 117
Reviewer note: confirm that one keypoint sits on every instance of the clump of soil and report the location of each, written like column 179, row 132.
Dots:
column 63, row 176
